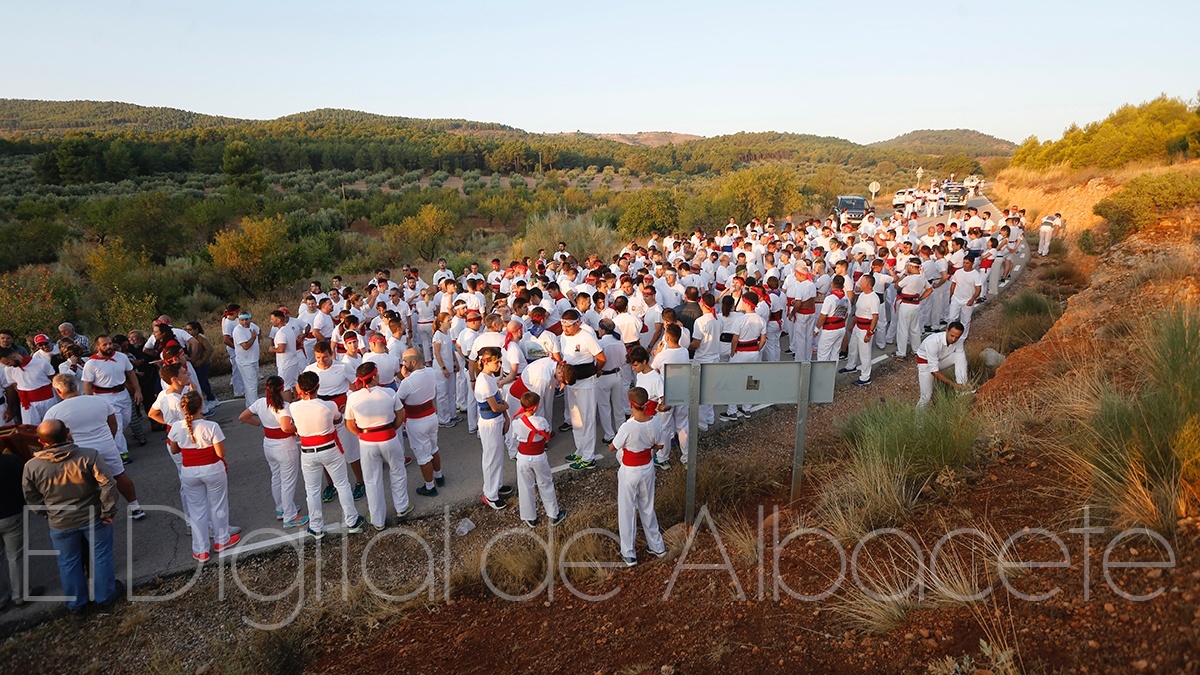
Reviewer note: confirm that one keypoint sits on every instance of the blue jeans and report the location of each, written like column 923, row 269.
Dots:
column 71, row 546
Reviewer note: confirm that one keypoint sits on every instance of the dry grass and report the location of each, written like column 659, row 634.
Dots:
column 741, row 539
column 724, row 483
column 582, row 234
column 884, row 589
column 872, row 492
column 1027, row 317
column 1064, row 177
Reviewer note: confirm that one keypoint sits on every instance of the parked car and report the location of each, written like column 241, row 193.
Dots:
column 856, row 207
column 956, row 195
column 898, row 200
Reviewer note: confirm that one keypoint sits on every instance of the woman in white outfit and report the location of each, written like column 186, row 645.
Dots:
column 201, row 445
column 280, row 448
column 427, row 311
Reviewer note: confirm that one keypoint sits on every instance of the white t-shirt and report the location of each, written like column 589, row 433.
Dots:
column 965, row 284
column 87, row 419
column 204, row 434
column 579, row 348
column 108, row 373
column 385, row 364
column 636, row 436
column 267, row 415
column 372, row 407
column 245, row 334
column 314, row 417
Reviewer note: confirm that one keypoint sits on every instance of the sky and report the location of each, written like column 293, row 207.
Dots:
column 865, row 71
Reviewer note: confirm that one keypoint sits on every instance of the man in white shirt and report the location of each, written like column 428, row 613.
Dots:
column 246, row 350
column 110, row 375
column 965, row 286
column 866, row 319
column 937, row 352
column 228, row 322
column 610, row 387
column 586, row 357
column 286, row 345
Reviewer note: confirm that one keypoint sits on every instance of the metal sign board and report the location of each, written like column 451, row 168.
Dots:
column 749, row 383
column 873, row 188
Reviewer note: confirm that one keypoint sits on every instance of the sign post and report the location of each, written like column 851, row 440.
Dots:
column 874, row 189
column 920, row 173
column 778, row 382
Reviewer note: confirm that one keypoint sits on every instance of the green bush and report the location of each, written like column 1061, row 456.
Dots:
column 1090, row 243
column 923, row 440
column 1144, row 199
column 1027, row 317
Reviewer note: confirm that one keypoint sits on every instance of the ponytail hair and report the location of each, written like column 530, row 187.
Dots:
column 192, row 404
column 274, row 392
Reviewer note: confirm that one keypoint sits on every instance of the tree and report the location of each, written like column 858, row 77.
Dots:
column 764, row 190
column 422, row 235
column 241, row 167
column 646, row 211
column 253, row 255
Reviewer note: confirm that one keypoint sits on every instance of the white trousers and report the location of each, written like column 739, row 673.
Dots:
column 313, row 465
column 491, row 437
column 611, row 393
column 376, row 455
column 581, row 413
column 961, row 311
column 770, row 350
column 235, row 377
column 446, row 386
column 533, row 473
column 207, row 491
column 635, row 499
column 829, row 344
column 859, row 354
column 908, row 328
column 289, row 368
column 349, row 444
column 801, row 336
column 183, row 501
column 424, row 339
column 742, row 357
column 422, row 438
column 1045, row 235
column 925, row 371
column 123, row 404
column 248, row 374
column 993, row 278
column 463, row 391
column 881, row 327
column 674, row 424
column 36, row 412
column 283, row 458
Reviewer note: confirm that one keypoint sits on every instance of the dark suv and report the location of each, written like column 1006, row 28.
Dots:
column 956, row 195
column 856, row 207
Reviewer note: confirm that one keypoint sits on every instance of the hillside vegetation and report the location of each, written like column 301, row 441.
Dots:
column 1161, row 130
column 950, row 141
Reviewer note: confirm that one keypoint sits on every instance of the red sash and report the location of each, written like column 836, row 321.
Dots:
column 922, row 360
column 323, row 439
column 518, row 388
column 747, row 346
column 199, row 456
column 378, row 434
column 276, row 433
column 775, row 316
column 834, row 323
column 635, row 457
column 414, row 412
column 536, row 444
column 862, row 323
column 32, row 396
column 910, row 299
column 651, row 408
column 338, row 399
column 807, row 310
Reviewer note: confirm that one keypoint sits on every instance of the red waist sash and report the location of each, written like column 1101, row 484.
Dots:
column 635, row 457
column 199, row 456
column 276, row 433
column 414, row 412
column 32, row 396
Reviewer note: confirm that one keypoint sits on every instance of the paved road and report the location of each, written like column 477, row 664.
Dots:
column 160, row 543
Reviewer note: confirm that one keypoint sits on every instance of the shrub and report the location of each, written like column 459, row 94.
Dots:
column 581, row 233
column 1144, row 199
column 1027, row 317
column 1139, row 451
column 871, row 492
column 1091, row 243
column 34, row 301
column 922, row 441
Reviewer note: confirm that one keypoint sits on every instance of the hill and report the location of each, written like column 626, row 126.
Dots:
column 52, row 118
column 950, row 141
column 650, row 139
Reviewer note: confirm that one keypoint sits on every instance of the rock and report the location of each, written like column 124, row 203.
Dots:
column 1093, row 644
column 1140, row 665
column 1109, row 607
column 992, row 358
column 781, row 516
column 667, row 670
column 924, row 632
column 677, row 535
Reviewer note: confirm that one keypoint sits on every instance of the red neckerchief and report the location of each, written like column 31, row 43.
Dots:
column 838, row 292
column 100, row 357
column 25, row 361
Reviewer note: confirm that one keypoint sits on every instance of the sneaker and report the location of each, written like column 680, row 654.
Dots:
column 966, row 392
column 631, row 562
column 315, row 534
column 512, row 458
column 606, row 441
column 726, row 417
column 296, row 522
column 573, row 457
column 505, row 491
column 233, row 540
column 427, row 492
column 234, row 529
column 583, row 466
column 455, row 419
column 473, row 432
column 328, row 494
column 357, row 526
column 846, row 370
column 562, row 514
column 531, row 523
column 447, row 425
column 360, row 491
column 379, row 528
column 137, row 514
column 861, row 383
column 278, row 514
column 401, row 515
column 665, row 466
column 565, row 426
column 201, row 557
column 656, row 554
column 126, row 459
column 497, row 505
column 440, row 481
column 702, row 427
column 407, row 461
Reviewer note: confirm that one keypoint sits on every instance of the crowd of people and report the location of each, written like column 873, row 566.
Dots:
column 359, row 370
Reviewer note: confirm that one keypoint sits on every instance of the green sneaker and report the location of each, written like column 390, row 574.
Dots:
column 328, row 494
column 665, row 466
column 573, row 457
column 583, row 466
column 360, row 491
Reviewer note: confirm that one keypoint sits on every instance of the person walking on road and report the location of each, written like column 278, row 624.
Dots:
column 273, row 414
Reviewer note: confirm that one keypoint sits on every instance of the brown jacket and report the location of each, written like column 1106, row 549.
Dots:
column 72, row 482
